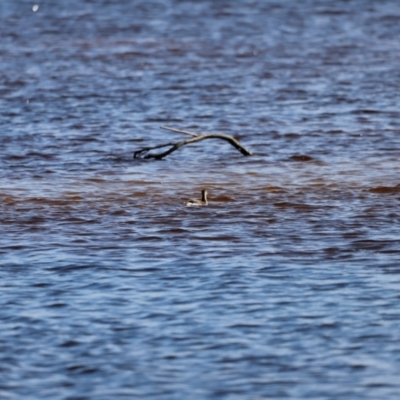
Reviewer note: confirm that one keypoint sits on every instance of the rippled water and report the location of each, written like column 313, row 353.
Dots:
column 286, row 286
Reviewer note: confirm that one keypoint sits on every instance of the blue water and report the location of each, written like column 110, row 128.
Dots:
column 285, row 286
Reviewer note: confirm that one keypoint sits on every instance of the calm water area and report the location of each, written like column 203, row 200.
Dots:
column 286, row 286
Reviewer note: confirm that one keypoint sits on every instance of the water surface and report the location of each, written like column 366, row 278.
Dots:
column 285, row 286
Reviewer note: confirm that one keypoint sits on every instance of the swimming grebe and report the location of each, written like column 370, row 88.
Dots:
column 196, row 202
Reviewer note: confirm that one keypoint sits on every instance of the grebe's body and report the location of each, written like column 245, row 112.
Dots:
column 196, row 202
